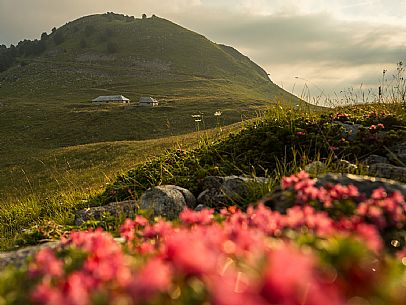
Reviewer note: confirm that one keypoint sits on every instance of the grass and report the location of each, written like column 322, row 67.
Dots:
column 61, row 180
column 278, row 143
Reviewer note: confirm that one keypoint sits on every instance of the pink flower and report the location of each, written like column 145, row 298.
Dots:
column 189, row 252
column 203, row 217
column 153, row 278
column 290, row 278
column 46, row 263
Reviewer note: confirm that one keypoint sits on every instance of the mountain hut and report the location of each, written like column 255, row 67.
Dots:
column 111, row 99
column 148, row 101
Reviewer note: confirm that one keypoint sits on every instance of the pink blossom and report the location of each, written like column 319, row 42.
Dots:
column 203, row 217
column 153, row 278
column 46, row 263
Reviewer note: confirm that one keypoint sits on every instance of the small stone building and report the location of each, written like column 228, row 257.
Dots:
column 148, row 101
column 111, row 99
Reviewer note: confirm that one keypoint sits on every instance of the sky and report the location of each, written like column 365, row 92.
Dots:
column 323, row 48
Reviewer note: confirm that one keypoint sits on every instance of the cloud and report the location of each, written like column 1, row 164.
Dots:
column 329, row 52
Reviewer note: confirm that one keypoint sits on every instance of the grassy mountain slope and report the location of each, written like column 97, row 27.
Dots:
column 114, row 52
column 44, row 96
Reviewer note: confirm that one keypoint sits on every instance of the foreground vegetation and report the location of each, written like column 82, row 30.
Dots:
column 312, row 255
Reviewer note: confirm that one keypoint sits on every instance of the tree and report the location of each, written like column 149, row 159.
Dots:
column 6, row 60
column 144, row 16
column 44, row 36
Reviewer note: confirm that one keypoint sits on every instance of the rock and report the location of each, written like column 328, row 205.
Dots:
column 397, row 154
column 389, row 171
column 167, row 200
column 222, row 191
column 316, row 168
column 19, row 257
column 350, row 131
column 124, row 208
column 373, row 159
column 365, row 184
column 200, row 207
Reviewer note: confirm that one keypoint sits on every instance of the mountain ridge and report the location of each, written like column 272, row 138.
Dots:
column 155, row 46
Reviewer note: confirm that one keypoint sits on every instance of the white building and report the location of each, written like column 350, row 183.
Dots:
column 111, row 99
column 148, row 101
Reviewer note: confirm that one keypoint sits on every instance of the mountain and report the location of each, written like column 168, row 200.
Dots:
column 46, row 86
column 105, row 51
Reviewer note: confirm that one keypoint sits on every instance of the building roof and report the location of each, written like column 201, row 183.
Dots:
column 109, row 98
column 147, row 99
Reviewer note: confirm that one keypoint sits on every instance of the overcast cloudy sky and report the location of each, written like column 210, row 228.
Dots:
column 328, row 45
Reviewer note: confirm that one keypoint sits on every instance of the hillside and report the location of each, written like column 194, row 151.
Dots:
column 121, row 54
column 46, row 89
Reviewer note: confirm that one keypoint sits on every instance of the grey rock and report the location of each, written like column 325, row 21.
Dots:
column 365, row 184
column 397, row 154
column 200, row 207
column 19, row 257
column 220, row 191
column 124, row 208
column 350, row 131
column 189, row 197
column 212, row 182
column 373, row 159
column 316, row 168
column 389, row 171
column 167, row 200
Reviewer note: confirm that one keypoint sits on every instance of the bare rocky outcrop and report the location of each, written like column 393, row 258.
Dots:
column 389, row 171
column 167, row 200
column 397, row 153
column 365, row 184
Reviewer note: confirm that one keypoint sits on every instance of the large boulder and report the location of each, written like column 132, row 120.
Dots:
column 19, row 257
column 118, row 209
column 388, row 171
column 167, row 200
column 397, row 153
column 223, row 191
column 374, row 159
column 365, row 184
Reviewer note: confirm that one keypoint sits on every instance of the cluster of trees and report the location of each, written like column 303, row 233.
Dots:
column 113, row 16
column 7, row 57
column 26, row 47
